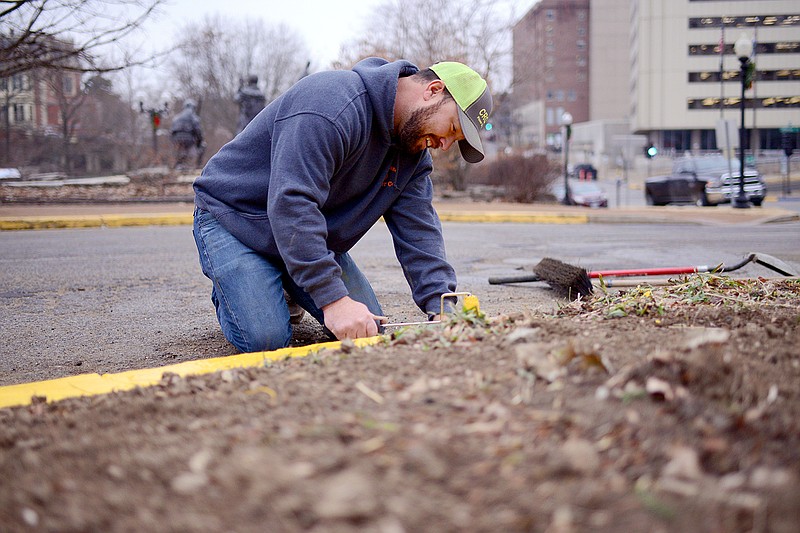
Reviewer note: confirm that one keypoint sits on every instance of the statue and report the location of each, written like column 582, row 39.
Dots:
column 251, row 101
column 187, row 135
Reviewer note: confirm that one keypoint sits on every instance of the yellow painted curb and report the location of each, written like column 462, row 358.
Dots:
column 177, row 219
column 166, row 219
column 499, row 216
column 94, row 221
column 46, row 222
column 93, row 384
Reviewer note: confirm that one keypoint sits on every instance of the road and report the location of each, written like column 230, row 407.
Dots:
column 112, row 299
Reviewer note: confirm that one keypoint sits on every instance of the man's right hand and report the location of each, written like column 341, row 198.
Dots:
column 349, row 319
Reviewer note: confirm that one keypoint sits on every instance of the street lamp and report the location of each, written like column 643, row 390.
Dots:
column 155, row 120
column 566, row 121
column 743, row 48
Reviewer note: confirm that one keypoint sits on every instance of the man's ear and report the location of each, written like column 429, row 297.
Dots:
column 434, row 88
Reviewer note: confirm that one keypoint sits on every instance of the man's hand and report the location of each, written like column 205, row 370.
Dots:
column 349, row 319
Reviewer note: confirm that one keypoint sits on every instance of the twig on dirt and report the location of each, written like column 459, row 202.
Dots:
column 369, row 393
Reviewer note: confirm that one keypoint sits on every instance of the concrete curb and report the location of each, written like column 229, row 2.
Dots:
column 95, row 384
column 175, row 219
column 466, row 213
column 94, row 221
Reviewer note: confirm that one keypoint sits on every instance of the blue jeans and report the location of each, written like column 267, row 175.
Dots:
column 248, row 288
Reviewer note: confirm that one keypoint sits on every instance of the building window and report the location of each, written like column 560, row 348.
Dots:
column 785, row 74
column 572, row 96
column 550, row 14
column 581, row 44
column 677, row 139
column 708, row 140
column 772, row 102
column 19, row 82
column 768, row 20
column 784, row 47
column 67, row 86
column 580, row 61
column 550, row 94
column 19, row 113
column 582, row 14
column 560, row 95
column 549, row 117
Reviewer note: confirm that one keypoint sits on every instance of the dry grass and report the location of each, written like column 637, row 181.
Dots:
column 697, row 289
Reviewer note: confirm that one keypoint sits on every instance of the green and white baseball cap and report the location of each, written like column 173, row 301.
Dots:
column 474, row 100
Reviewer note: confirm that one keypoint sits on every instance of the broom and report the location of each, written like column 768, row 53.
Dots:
column 574, row 281
column 568, row 280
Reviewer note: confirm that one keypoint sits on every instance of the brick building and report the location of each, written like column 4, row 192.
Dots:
column 551, row 70
column 30, row 101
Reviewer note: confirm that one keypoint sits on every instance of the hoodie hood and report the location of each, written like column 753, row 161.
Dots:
column 380, row 79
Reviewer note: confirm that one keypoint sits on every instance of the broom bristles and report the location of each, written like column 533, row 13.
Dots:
column 568, row 280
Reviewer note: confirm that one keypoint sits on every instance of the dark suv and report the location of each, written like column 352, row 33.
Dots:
column 709, row 180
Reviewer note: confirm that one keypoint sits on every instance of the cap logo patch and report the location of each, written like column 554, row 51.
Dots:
column 483, row 117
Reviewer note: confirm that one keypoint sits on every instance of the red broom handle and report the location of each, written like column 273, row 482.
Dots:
column 649, row 271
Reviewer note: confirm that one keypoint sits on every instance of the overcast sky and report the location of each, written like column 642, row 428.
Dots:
column 324, row 24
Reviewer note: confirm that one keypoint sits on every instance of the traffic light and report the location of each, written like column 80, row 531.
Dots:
column 650, row 151
column 156, row 118
column 787, row 143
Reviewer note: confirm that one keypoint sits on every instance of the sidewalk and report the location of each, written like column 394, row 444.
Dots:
column 71, row 215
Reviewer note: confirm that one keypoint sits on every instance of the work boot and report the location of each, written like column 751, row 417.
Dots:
column 296, row 313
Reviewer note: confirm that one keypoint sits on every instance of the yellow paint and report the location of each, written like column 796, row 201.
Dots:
column 166, row 219
column 48, row 222
column 94, row 221
column 94, row 384
column 175, row 219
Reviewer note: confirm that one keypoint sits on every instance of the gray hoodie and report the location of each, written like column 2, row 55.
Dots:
column 314, row 171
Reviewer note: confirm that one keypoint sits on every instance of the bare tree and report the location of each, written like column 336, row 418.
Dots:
column 70, row 99
column 218, row 53
column 475, row 32
column 281, row 59
column 33, row 30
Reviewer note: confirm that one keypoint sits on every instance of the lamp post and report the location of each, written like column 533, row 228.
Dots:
column 155, row 120
column 743, row 48
column 566, row 121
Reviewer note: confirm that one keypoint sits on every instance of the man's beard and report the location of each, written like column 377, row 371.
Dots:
column 413, row 129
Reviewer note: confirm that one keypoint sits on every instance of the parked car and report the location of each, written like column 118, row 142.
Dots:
column 585, row 172
column 585, row 193
column 10, row 174
column 710, row 180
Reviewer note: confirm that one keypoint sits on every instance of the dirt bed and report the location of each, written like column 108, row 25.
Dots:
column 669, row 409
